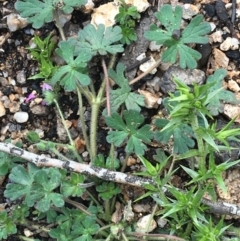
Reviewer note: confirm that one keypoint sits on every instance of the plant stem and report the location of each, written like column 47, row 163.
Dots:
column 64, row 123
column 93, row 128
column 58, row 24
column 107, row 86
column 68, row 133
column 107, row 210
column 83, row 125
column 200, row 144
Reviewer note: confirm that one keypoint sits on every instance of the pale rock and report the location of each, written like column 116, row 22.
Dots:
column 229, row 43
column 21, row 117
column 189, row 11
column 141, row 208
column 2, row 109
column 232, row 111
column 143, row 222
column 14, row 106
column 218, row 59
column 21, row 77
column 3, row 81
column 213, row 26
column 40, row 110
column 4, row 129
column 153, row 46
column 88, row 7
column 141, row 57
column 216, row 37
column 147, row 65
column 105, row 14
column 151, row 99
column 15, row 22
column 162, row 222
column 232, row 85
column 38, row 100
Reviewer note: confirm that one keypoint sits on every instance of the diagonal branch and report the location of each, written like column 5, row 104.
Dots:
column 105, row 174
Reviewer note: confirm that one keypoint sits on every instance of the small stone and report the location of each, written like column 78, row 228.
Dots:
column 232, row 85
column 147, row 65
column 40, row 110
column 15, row 22
column 187, row 76
column 14, row 106
column 229, row 43
column 2, row 109
column 189, row 10
column 216, row 37
column 153, row 46
column 21, row 117
column 3, row 81
column 21, row 77
column 142, row 224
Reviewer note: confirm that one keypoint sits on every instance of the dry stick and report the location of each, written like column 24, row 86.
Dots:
column 105, row 174
column 145, row 73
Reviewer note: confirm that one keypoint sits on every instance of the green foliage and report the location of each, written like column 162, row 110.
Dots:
column 126, row 19
column 70, row 187
column 123, row 94
column 7, row 226
column 195, row 32
column 129, row 131
column 40, row 12
column 99, row 40
column 42, row 53
column 215, row 106
column 210, row 231
column 107, row 190
column 100, row 161
column 35, row 186
column 74, row 225
column 8, row 162
column 75, row 69
column 182, row 135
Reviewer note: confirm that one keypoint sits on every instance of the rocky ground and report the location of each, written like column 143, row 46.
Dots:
column 19, row 114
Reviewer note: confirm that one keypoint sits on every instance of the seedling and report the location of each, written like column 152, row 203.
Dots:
column 175, row 40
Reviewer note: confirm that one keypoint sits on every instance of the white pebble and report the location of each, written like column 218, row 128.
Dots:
column 21, row 117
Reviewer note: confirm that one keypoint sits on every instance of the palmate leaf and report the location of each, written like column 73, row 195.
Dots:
column 195, row 32
column 74, row 71
column 129, row 131
column 123, row 94
column 181, row 133
column 99, row 40
column 215, row 104
column 35, row 186
column 40, row 12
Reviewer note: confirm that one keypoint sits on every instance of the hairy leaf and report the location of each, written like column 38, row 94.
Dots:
column 75, row 69
column 129, row 131
column 181, row 133
column 215, row 105
column 40, row 12
column 123, row 94
column 35, row 186
column 99, row 40
column 175, row 40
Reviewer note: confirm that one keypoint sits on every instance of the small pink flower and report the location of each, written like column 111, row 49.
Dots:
column 47, row 87
column 31, row 97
